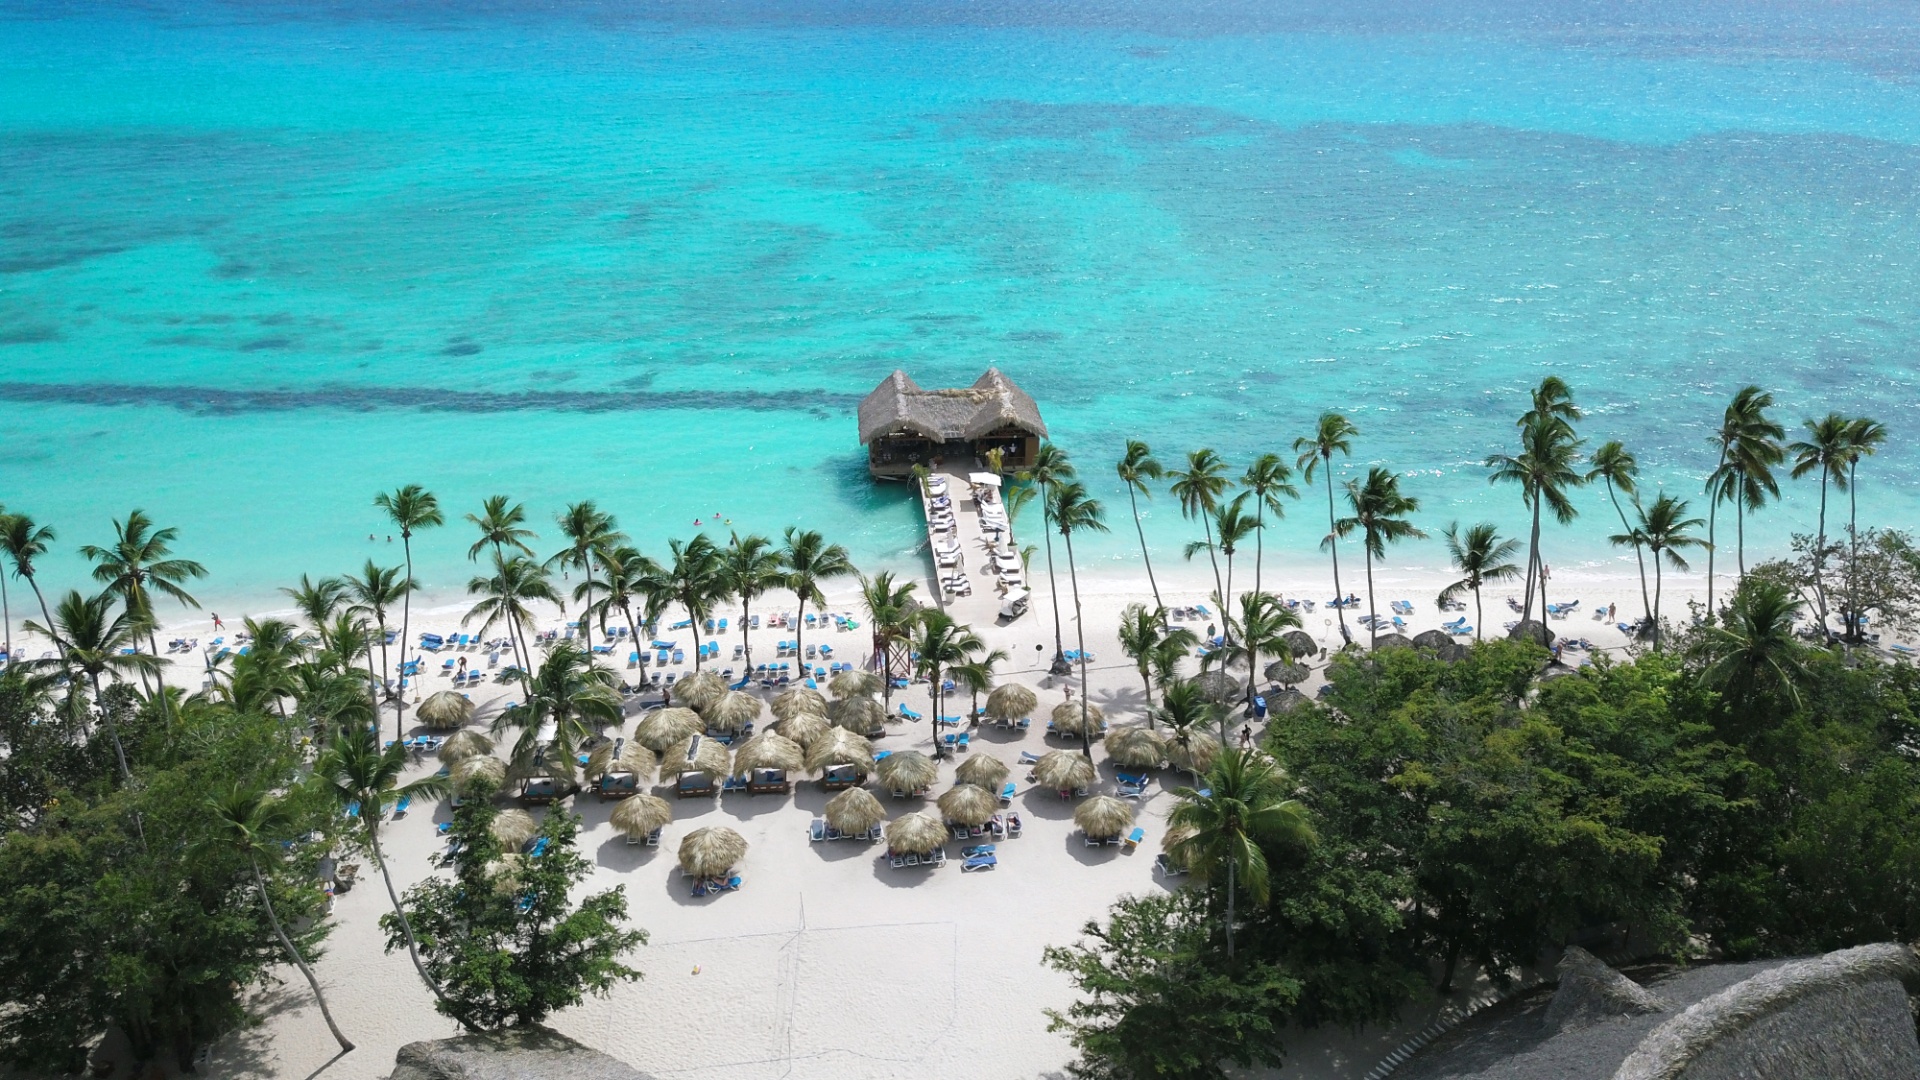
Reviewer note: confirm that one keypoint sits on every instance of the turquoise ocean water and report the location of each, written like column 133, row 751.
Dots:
column 258, row 261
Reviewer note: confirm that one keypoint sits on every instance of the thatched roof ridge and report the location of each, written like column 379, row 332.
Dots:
column 992, row 403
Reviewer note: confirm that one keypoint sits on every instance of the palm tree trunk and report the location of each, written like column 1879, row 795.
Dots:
column 6, row 614
column 1133, row 499
column 586, row 624
column 1656, row 598
column 1373, row 613
column 1259, row 543
column 746, row 643
column 633, row 628
column 1853, row 548
column 406, row 925
column 693, row 623
column 346, row 1045
column 1713, row 519
column 386, row 674
column 1053, row 583
column 1740, row 537
column 1080, row 643
column 1232, row 866
column 113, row 733
column 1479, row 616
column 1146, row 686
column 1333, row 546
column 1533, row 566
column 47, row 615
column 1639, row 556
column 406, row 625
column 1820, row 558
column 1219, row 589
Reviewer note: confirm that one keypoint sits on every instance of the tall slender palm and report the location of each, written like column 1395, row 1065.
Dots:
column 809, row 561
column 1142, row 634
column 631, row 577
column 571, row 700
column 1199, row 487
column 1864, row 436
column 940, row 645
column 1167, row 657
column 1544, row 471
column 692, row 580
column 1380, row 515
column 248, row 821
column 1827, row 449
column 749, row 568
column 364, row 779
column 1755, row 655
column 1259, row 628
column 1136, row 467
column 1744, row 427
column 588, row 529
column 506, row 597
column 1613, row 465
column 1482, row 556
column 891, row 611
column 1333, row 433
column 976, row 676
column 318, row 600
column 1268, row 478
column 1050, row 467
column 1551, row 400
column 1075, row 512
column 23, row 541
column 94, row 642
column 1663, row 529
column 139, row 564
column 1746, row 478
column 374, row 593
column 410, row 508
column 1244, row 812
column 502, row 524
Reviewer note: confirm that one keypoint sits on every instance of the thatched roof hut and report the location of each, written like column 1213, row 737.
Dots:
column 475, row 773
column 768, row 751
column 802, row 727
column 983, row 771
column 1287, row 673
column 462, row 745
column 1010, row 701
column 915, row 834
column 1063, row 770
column 513, row 828
column 859, row 715
column 1196, row 755
column 1220, row 687
column 1103, row 816
column 1067, row 716
column 711, row 851
column 732, row 711
column 1286, row 700
column 638, row 816
column 1301, row 643
column 1172, row 842
column 623, row 756
column 965, row 804
column 799, row 699
column 901, row 424
column 445, row 710
column 854, row 810
column 854, row 684
column 840, row 747
column 1136, row 748
column 699, row 690
column 907, row 771
column 662, row 728
column 695, row 753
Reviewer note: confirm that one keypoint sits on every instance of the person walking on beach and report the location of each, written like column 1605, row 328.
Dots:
column 217, row 624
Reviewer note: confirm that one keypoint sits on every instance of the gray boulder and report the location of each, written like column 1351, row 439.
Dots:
column 1534, row 631
column 515, row 1054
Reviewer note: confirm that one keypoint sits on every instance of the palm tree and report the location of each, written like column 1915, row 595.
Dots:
column 1551, row 400
column 1746, row 441
column 1613, row 465
column 1050, row 467
column 1379, row 513
column 139, row 564
column 1663, row 528
column 23, row 541
column 246, row 818
column 517, row 582
column 502, row 525
column 345, row 641
column 1189, row 714
column 1244, row 812
column 1230, row 528
column 1864, row 436
column 1199, row 487
column 410, row 508
column 1142, row 634
column 6, row 606
column 631, row 576
column 374, row 593
column 1334, row 432
column 1259, row 628
column 693, row 580
column 588, row 529
column 364, row 780
column 1268, row 478
column 1828, row 449
column 1136, row 467
column 942, row 645
column 1167, row 657
column 94, row 642
column 1755, row 655
column 890, row 616
column 571, row 699
column 1544, row 471
column 263, row 676
column 976, row 676
column 809, row 561
column 749, row 567
column 1073, row 511
column 1482, row 556
column 318, row 600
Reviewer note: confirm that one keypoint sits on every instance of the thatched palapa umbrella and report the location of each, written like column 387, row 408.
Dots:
column 1432, row 639
column 803, row 728
column 1010, row 701
column 907, row 771
column 1136, row 748
column 849, row 684
column 445, row 710
column 699, row 690
column 479, row 772
column 623, row 756
column 1063, row 770
column 1220, row 687
column 696, row 753
column 732, row 711
column 639, row 816
column 1196, row 755
column 711, row 851
column 983, row 771
column 1066, row 717
column 662, row 728
column 965, row 804
column 1103, row 816
column 1172, row 842
column 799, row 699
column 768, row 751
column 462, row 745
column 854, row 811
column 840, row 747
column 856, row 714
column 915, row 834
column 1286, row 700
column 1301, row 643
column 1287, row 673
column 513, row 828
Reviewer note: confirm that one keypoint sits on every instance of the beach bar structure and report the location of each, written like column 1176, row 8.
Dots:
column 903, row 425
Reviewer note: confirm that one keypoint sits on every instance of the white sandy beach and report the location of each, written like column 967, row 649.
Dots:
column 828, row 962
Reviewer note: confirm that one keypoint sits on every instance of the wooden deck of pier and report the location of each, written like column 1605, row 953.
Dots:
column 976, row 551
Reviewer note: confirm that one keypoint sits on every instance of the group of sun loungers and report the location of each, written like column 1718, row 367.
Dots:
column 819, row 831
